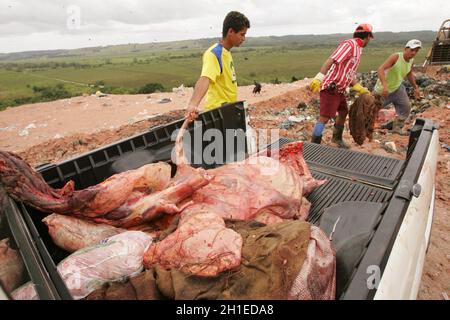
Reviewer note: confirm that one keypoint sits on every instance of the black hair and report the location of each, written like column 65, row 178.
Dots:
column 360, row 34
column 236, row 21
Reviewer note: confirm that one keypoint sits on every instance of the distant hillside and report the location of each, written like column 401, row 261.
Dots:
column 303, row 41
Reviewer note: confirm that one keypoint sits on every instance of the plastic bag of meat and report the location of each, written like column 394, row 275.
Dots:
column 25, row 292
column 11, row 267
column 72, row 234
column 114, row 259
column 317, row 277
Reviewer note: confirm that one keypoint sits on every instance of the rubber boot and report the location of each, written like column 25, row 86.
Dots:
column 397, row 127
column 316, row 139
column 337, row 138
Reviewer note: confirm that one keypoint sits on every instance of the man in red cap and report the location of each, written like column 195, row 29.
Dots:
column 336, row 75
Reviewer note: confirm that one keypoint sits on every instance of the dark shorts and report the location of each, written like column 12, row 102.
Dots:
column 332, row 102
column 399, row 98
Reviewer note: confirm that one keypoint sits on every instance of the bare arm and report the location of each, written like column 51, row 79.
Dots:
column 326, row 66
column 201, row 87
column 382, row 69
column 412, row 80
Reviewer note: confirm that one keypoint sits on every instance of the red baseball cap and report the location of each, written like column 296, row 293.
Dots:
column 365, row 27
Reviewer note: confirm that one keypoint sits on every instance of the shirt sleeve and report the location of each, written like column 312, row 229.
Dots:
column 342, row 52
column 211, row 67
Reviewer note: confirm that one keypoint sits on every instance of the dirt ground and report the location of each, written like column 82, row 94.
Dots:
column 29, row 125
column 54, row 131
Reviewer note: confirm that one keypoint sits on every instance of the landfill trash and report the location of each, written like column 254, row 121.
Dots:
column 23, row 133
column 296, row 119
column 179, row 89
column 385, row 115
column 286, row 124
column 390, row 146
column 165, row 100
column 30, row 126
column 10, row 128
column 100, row 94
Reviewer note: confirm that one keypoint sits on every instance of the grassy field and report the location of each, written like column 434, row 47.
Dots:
column 126, row 72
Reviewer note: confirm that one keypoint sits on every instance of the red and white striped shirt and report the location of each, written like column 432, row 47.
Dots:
column 346, row 61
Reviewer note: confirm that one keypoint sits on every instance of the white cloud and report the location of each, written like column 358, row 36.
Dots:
column 43, row 24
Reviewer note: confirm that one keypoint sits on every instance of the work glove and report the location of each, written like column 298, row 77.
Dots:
column 360, row 89
column 314, row 86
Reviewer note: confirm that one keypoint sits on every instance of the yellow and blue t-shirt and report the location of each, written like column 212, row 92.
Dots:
column 219, row 68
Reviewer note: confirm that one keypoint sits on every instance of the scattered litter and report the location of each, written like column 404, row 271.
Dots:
column 11, row 128
column 57, row 136
column 446, row 146
column 445, row 295
column 390, row 146
column 296, row 119
column 286, row 124
column 180, row 89
column 100, row 94
column 23, row 133
column 165, row 100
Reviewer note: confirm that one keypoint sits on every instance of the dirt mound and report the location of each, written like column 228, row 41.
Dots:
column 57, row 150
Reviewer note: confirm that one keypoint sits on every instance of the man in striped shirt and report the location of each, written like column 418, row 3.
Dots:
column 337, row 73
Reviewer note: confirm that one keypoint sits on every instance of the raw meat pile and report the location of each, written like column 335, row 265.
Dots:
column 269, row 187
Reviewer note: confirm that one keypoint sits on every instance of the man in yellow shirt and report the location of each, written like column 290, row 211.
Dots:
column 218, row 78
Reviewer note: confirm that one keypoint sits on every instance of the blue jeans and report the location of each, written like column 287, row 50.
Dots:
column 399, row 98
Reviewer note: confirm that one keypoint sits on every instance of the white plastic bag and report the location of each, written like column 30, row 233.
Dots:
column 114, row 259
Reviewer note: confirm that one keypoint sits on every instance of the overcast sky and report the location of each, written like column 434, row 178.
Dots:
column 63, row 24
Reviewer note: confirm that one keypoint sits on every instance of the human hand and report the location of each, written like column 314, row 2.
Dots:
column 192, row 112
column 417, row 93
